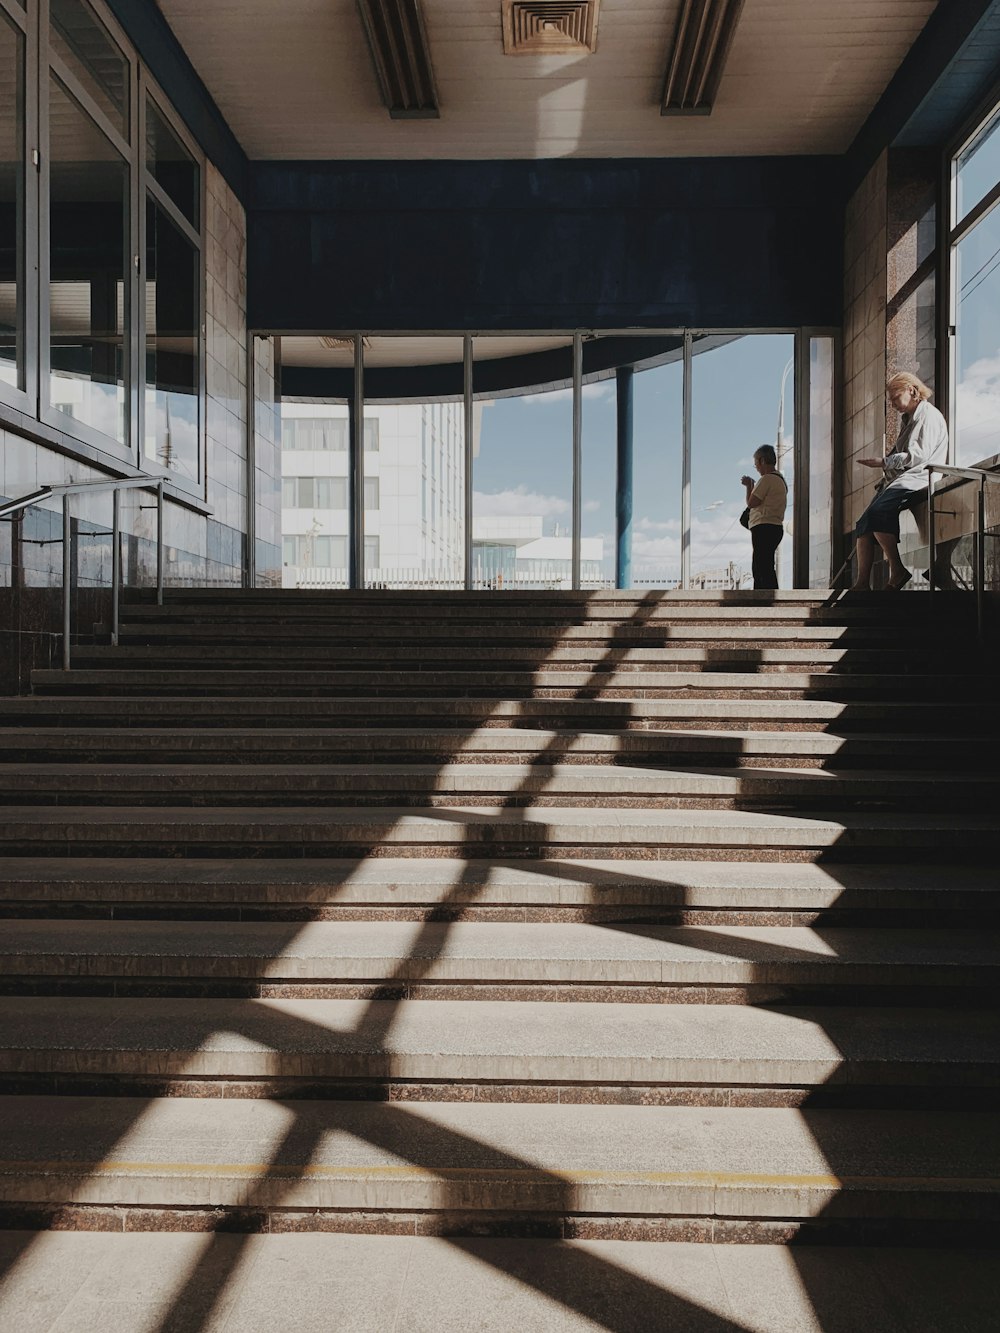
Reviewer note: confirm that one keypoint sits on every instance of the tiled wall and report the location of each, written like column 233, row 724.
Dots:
column 864, row 337
column 267, row 467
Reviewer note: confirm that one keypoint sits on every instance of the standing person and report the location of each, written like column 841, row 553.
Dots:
column 766, row 500
column 923, row 439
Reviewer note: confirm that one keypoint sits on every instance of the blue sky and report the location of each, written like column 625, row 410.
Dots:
column 524, row 464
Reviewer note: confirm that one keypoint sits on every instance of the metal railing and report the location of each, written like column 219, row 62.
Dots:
column 12, row 507
column 979, row 561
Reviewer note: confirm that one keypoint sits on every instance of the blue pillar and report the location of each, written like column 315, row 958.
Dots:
column 623, row 491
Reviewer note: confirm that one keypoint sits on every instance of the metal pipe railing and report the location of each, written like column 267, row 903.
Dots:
column 982, row 476
column 12, row 507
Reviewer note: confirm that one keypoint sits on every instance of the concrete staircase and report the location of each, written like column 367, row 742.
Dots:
column 665, row 916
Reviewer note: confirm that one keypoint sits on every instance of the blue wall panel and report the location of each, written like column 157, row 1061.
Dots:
column 733, row 242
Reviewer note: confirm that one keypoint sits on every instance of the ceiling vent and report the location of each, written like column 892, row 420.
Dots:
column 549, row 27
column 701, row 44
column 402, row 58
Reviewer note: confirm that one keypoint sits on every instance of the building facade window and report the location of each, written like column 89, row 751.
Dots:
column 102, row 255
column 975, row 295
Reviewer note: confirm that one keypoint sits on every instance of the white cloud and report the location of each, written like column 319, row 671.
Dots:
column 977, row 413
column 591, row 506
column 604, row 389
column 517, row 503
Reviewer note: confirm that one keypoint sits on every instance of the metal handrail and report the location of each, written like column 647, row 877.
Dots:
column 12, row 507
column 979, row 570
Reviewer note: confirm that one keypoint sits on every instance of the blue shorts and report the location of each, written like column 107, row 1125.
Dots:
column 882, row 515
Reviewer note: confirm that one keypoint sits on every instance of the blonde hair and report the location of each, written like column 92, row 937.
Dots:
column 904, row 380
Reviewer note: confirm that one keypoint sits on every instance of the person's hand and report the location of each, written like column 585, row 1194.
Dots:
column 746, row 481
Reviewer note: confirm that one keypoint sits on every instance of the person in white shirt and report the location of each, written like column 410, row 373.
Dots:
column 766, row 500
column 923, row 439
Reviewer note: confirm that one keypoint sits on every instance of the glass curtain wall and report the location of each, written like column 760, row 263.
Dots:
column 975, row 241
column 658, row 427
column 411, row 532
column 101, row 248
column 522, row 505
column 12, row 208
column 742, row 397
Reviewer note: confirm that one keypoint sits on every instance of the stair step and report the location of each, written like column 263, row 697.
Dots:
column 363, row 711
column 507, row 684
column 524, row 1162
column 537, row 784
column 478, row 960
column 317, row 887
column 287, row 830
column 494, row 1050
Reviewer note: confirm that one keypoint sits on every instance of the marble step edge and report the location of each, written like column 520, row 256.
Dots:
column 497, row 954
column 726, row 884
column 646, row 1161
column 470, row 825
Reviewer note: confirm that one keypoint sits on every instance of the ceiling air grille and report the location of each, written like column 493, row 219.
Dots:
column 701, row 44
column 549, row 27
column 402, row 59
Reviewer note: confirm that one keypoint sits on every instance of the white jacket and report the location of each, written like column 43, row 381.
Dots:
column 922, row 440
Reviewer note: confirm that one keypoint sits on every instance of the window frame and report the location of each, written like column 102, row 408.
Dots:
column 26, row 399
column 72, row 437
column 954, row 230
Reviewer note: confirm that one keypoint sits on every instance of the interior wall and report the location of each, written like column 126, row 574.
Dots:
column 710, row 243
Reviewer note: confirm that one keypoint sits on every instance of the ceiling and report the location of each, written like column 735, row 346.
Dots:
column 412, row 351
column 295, row 80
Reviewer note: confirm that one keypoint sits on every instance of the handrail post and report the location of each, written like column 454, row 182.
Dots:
column 931, row 552
column 67, row 572
column 159, row 544
column 116, row 562
column 981, row 562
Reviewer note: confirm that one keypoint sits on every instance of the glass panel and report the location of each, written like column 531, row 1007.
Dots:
column 656, row 474
column 314, row 467
column 742, row 397
column 977, row 343
column 523, row 464
column 87, row 48
column 173, row 320
column 977, row 170
column 88, row 183
column 171, row 165
column 821, row 481
column 599, row 454
column 11, row 204
column 413, row 494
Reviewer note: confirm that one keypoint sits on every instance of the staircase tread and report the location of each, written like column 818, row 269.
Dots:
column 527, row 1040
column 511, row 953
column 583, row 1158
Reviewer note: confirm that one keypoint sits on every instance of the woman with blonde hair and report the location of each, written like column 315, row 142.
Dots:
column 922, row 439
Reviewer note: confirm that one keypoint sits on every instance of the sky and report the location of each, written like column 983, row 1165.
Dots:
column 525, row 457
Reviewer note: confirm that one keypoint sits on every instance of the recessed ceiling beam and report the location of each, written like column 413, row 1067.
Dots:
column 401, row 56
column 702, row 39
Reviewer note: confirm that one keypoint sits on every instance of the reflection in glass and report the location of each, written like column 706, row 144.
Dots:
column 413, row 495
column 742, row 397
column 821, row 482
column 315, row 520
column 89, row 316
column 173, row 283
column 83, row 42
column 11, row 204
column 977, row 343
column 171, row 165
column 978, row 168
column 598, row 458
column 656, row 475
column 522, row 511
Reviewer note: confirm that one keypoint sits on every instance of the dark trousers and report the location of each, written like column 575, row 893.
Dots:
column 766, row 538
